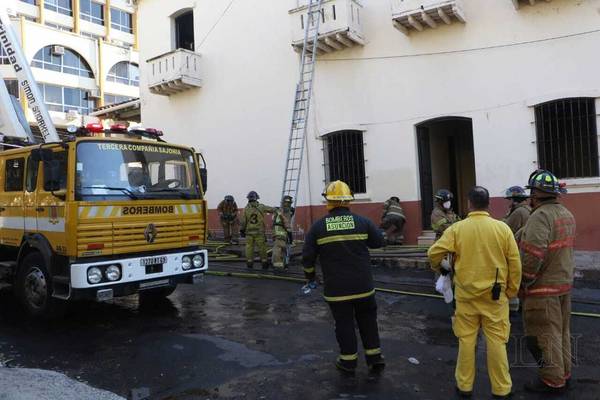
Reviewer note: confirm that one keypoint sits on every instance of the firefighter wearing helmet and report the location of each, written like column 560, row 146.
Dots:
column 228, row 215
column 341, row 242
column 253, row 229
column 519, row 210
column 442, row 215
column 548, row 264
column 282, row 233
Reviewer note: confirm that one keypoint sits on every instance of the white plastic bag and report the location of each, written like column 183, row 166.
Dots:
column 444, row 286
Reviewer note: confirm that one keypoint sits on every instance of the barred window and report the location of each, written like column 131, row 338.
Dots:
column 345, row 159
column 567, row 137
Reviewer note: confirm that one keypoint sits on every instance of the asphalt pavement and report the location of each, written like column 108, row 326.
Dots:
column 233, row 338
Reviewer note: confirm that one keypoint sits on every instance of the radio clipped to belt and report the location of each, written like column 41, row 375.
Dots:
column 496, row 289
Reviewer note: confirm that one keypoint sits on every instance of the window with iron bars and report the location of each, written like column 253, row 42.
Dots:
column 567, row 137
column 345, row 159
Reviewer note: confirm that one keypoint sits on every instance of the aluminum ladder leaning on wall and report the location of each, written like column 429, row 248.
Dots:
column 302, row 97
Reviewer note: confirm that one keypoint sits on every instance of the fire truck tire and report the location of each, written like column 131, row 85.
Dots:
column 34, row 289
column 157, row 294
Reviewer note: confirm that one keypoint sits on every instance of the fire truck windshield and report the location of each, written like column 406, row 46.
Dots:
column 121, row 170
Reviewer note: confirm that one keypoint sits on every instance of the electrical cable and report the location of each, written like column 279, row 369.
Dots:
column 382, row 290
column 216, row 23
column 497, row 46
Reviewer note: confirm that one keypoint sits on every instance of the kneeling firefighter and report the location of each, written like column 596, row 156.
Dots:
column 341, row 241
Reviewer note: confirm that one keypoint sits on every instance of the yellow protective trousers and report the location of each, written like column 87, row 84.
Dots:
column 279, row 253
column 492, row 317
column 259, row 241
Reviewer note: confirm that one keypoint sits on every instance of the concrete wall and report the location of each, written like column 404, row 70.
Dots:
column 492, row 69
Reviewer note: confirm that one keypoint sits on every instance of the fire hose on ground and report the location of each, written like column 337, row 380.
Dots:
column 247, row 275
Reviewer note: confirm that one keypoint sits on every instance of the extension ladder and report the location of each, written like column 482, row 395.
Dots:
column 297, row 139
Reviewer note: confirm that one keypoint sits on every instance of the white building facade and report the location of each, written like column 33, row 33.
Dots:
column 83, row 54
column 410, row 96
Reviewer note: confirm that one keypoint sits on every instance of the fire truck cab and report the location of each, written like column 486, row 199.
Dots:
column 97, row 217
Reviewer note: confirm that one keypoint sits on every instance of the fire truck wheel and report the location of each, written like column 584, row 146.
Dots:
column 34, row 289
column 157, row 294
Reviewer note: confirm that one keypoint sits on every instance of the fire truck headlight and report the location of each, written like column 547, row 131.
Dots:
column 94, row 275
column 186, row 263
column 198, row 261
column 113, row 273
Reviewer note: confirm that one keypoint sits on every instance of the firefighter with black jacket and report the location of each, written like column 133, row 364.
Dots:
column 341, row 241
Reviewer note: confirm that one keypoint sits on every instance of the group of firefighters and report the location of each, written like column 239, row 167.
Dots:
column 480, row 253
column 251, row 226
column 488, row 270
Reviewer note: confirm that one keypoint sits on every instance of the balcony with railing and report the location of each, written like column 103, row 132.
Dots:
column 340, row 26
column 174, row 72
column 421, row 14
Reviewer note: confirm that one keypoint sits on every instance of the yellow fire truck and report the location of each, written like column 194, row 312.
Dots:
column 101, row 214
column 100, row 217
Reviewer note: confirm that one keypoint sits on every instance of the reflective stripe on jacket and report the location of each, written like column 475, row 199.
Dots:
column 481, row 246
column 547, row 250
column 341, row 242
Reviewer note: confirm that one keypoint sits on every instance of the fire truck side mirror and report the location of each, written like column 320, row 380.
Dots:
column 204, row 178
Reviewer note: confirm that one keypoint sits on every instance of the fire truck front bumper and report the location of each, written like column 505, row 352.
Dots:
column 104, row 280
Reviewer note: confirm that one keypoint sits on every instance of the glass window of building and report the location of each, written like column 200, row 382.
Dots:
column 12, row 85
column 60, row 59
column 125, row 73
column 64, row 99
column 115, row 99
column 32, row 2
column 121, row 20
column 184, row 31
column 92, row 11
column 60, row 6
column 3, row 57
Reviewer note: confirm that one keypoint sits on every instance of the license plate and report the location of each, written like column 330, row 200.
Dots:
column 153, row 260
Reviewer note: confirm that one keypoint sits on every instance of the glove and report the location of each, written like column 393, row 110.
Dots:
column 242, row 233
column 290, row 237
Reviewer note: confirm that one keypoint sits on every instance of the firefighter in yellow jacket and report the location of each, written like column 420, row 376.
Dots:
column 487, row 272
column 253, row 229
column 442, row 215
column 282, row 232
column 548, row 264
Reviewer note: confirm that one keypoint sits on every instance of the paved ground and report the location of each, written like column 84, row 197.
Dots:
column 236, row 338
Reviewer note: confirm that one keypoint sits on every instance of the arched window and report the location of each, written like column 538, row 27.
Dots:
column 567, row 137
column 125, row 73
column 60, row 59
column 345, row 159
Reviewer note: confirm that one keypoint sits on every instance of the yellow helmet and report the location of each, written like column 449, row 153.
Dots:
column 338, row 191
